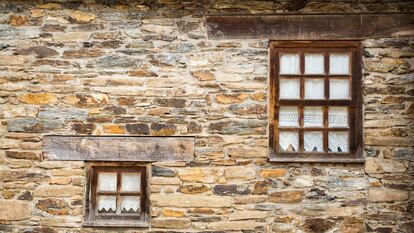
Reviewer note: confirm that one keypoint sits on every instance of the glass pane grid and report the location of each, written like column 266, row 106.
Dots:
column 312, row 70
column 319, row 130
column 308, row 135
column 122, row 186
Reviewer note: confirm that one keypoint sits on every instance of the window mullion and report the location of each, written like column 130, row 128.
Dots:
column 118, row 195
column 301, row 124
column 325, row 128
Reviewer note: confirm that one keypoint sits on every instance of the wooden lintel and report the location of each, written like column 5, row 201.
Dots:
column 310, row 26
column 113, row 148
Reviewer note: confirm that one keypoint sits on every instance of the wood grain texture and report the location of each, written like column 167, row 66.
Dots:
column 90, row 148
column 310, row 26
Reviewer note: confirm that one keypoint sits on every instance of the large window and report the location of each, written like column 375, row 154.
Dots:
column 315, row 101
column 117, row 195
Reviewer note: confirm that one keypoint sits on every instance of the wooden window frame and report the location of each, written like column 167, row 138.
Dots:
column 354, row 104
column 92, row 219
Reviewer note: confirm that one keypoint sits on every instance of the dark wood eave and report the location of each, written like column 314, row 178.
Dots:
column 349, row 26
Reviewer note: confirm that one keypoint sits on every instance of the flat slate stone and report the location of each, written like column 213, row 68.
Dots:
column 92, row 148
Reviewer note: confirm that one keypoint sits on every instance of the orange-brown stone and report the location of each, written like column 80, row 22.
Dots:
column 114, row 129
column 258, row 96
column 272, row 173
column 230, row 98
column 173, row 213
column 82, row 17
column 203, row 75
column 286, row 196
column 38, row 98
column 18, row 20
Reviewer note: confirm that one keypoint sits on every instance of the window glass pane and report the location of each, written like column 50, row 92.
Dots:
column 314, row 64
column 314, row 89
column 289, row 64
column 106, row 204
column 339, row 89
column 338, row 142
column 313, row 116
column 338, row 117
column 289, row 141
column 289, row 89
column 313, row 141
column 130, row 204
column 339, row 63
column 131, row 182
column 107, row 181
column 288, row 116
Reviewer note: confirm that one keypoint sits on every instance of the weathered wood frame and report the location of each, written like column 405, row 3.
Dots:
column 92, row 219
column 354, row 104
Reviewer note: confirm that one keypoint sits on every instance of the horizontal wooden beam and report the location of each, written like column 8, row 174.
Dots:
column 310, row 26
column 111, row 148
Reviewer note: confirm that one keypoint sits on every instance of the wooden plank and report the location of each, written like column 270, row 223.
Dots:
column 310, row 26
column 91, row 148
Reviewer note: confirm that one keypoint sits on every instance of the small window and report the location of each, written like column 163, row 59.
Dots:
column 117, row 195
column 316, row 101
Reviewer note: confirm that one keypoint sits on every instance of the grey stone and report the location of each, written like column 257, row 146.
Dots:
column 247, row 108
column 159, row 37
column 316, row 193
column 8, row 32
column 267, row 206
column 371, row 152
column 164, row 59
column 64, row 113
column 132, row 52
column 250, row 126
column 353, row 183
column 232, row 189
column 184, row 48
column 6, row 7
column 404, row 153
column 130, row 24
column 163, row 171
column 33, row 125
column 138, row 128
column 118, row 61
column 4, row 46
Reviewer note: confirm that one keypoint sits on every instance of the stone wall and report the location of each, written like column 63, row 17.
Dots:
column 148, row 68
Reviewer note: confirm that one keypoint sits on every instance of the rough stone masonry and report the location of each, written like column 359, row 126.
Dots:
column 148, row 68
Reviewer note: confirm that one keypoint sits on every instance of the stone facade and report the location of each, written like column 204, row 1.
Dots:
column 148, row 68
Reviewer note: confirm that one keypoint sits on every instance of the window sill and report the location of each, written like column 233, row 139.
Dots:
column 316, row 160
column 130, row 224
